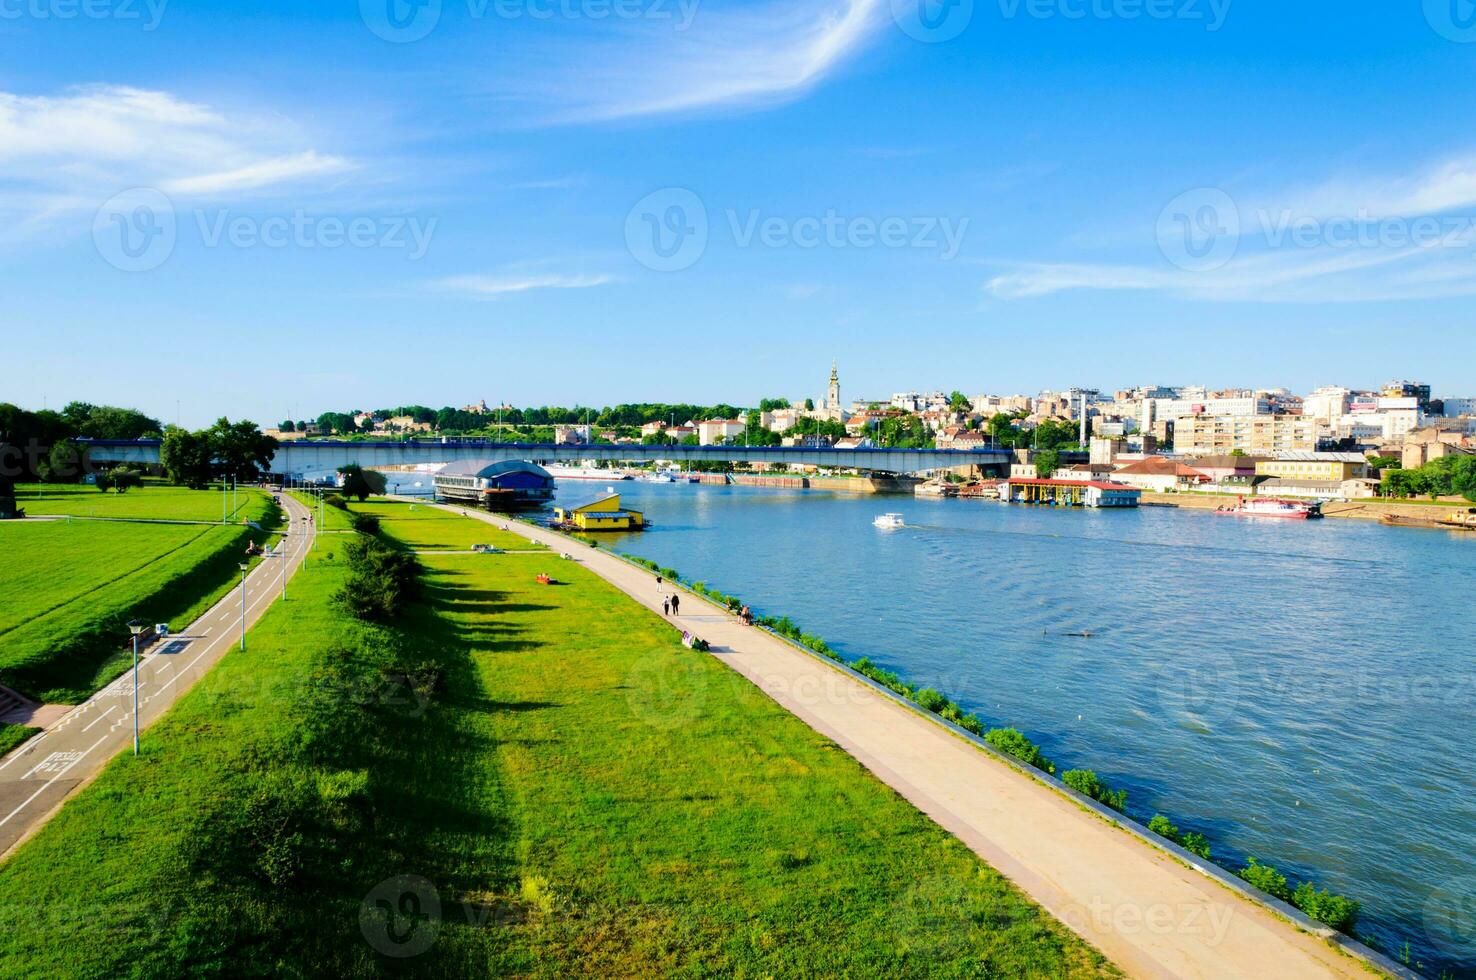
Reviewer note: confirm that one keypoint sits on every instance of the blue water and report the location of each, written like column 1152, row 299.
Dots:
column 1303, row 692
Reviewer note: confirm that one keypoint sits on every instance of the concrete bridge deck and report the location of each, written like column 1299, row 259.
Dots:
column 309, row 458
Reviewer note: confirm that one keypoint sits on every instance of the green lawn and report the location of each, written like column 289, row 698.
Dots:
column 152, row 501
column 563, row 789
column 68, row 589
column 422, row 526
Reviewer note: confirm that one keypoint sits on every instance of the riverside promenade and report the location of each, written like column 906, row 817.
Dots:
column 1146, row 910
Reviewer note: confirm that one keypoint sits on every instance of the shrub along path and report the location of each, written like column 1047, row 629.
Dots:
column 1149, row 913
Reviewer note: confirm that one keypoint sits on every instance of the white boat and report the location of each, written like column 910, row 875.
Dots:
column 658, row 476
column 935, row 489
column 888, row 521
column 584, row 473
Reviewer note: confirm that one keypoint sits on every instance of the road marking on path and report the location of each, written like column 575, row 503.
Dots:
column 53, row 779
column 100, row 717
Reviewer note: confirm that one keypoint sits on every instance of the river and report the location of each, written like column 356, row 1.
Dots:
column 1302, row 692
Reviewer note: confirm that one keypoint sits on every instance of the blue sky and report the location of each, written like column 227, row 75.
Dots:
column 376, row 203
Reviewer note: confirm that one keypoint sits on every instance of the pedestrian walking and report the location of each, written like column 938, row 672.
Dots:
column 665, row 607
column 675, row 599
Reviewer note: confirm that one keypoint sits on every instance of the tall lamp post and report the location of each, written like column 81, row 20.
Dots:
column 282, row 557
column 135, row 627
column 244, row 566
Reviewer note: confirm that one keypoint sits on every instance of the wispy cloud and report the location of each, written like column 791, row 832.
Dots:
column 1365, row 239
column 263, row 173
column 492, row 286
column 70, row 151
column 733, row 57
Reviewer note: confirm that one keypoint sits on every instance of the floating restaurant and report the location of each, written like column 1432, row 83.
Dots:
column 1069, row 493
column 603, row 513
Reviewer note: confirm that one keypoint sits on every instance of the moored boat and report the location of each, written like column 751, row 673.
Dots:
column 1296, row 510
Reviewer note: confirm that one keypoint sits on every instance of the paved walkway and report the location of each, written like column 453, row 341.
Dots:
column 1147, row 912
column 41, row 773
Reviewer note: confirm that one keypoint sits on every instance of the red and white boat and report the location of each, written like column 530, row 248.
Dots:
column 1296, row 510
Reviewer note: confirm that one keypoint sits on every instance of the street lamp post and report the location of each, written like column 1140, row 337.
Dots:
column 135, row 627
column 244, row 566
column 282, row 558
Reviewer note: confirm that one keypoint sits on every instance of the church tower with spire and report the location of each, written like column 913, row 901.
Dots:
column 832, row 396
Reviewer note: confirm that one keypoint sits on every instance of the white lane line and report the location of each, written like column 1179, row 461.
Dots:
column 101, row 717
column 26, row 748
column 53, row 779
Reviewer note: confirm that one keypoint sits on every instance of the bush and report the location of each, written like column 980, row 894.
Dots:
column 380, row 582
column 1163, row 827
column 1195, row 844
column 1085, row 782
column 364, row 523
column 1011, row 742
column 1323, row 906
column 335, row 500
column 1267, row 879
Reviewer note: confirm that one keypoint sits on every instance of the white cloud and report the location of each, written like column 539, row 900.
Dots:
column 260, row 174
column 72, row 151
column 1370, row 239
column 725, row 58
column 514, row 282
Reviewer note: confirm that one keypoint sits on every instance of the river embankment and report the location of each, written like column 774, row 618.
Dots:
column 1371, row 509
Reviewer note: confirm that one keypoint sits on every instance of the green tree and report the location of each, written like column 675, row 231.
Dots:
column 66, row 463
column 1047, row 461
column 125, row 478
column 355, row 482
column 287, row 425
column 239, row 448
column 959, row 402
column 186, row 458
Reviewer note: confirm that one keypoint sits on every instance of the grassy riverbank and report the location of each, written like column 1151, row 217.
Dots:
column 540, row 777
column 68, row 588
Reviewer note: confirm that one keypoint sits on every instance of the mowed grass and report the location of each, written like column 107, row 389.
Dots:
column 69, row 588
column 514, row 780
column 424, row 527
column 152, row 501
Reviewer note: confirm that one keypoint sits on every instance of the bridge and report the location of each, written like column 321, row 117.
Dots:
column 310, row 460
